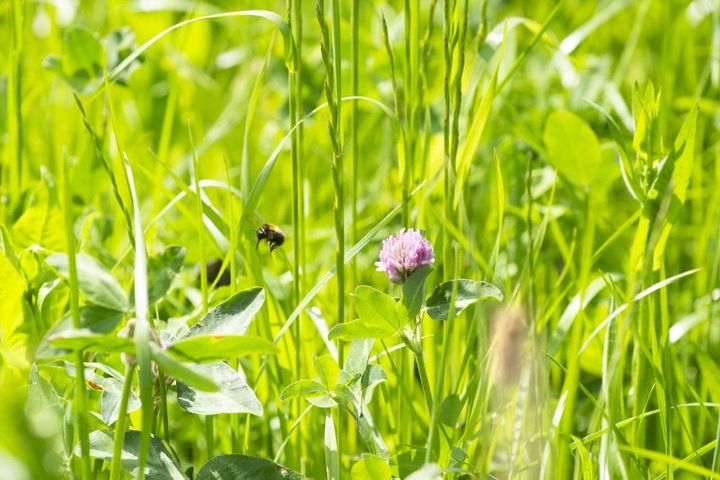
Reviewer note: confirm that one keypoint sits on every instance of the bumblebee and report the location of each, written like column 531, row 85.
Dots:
column 270, row 234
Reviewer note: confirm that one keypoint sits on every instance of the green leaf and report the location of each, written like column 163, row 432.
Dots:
column 414, row 290
column 96, row 283
column 99, row 319
column 328, row 370
column 41, row 223
column 110, row 400
column 119, row 44
column 206, row 348
column 244, row 467
column 162, row 270
column 13, row 341
column 161, row 464
column 86, row 339
column 83, row 52
column 468, row 292
column 357, row 357
column 303, row 389
column 357, row 329
column 44, row 408
column 428, row 471
column 380, row 316
column 81, row 66
column 192, row 375
column 450, row 410
column 234, row 395
column 373, row 376
column 572, row 147
column 371, row 467
column 311, row 390
column 233, row 316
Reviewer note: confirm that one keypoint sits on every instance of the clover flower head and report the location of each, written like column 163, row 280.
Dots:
column 403, row 253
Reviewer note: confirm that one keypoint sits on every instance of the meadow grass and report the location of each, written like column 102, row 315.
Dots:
column 561, row 157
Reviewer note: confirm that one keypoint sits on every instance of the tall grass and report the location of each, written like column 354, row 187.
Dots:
column 566, row 152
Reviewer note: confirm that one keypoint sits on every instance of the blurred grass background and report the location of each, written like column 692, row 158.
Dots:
column 194, row 90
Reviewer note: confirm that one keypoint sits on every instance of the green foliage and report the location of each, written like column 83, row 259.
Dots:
column 162, row 463
column 458, row 295
column 95, row 282
column 560, row 156
column 233, row 316
column 233, row 396
column 380, row 316
column 572, row 147
column 244, row 467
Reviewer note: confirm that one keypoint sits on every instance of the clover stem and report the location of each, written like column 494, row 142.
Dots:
column 119, row 436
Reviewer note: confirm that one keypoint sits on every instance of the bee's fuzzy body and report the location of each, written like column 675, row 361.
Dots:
column 270, row 234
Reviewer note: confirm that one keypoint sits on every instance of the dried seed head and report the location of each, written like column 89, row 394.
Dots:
column 509, row 335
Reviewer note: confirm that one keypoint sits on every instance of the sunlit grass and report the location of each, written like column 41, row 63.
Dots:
column 561, row 158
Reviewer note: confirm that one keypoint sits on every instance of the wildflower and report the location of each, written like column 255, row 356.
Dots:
column 404, row 253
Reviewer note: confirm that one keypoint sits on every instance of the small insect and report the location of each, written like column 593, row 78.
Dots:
column 270, row 234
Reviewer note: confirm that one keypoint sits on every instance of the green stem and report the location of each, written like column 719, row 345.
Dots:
column 210, row 435
column 80, row 404
column 14, row 99
column 424, row 381
column 355, row 73
column 295, row 93
column 199, row 219
column 120, row 424
column 163, row 407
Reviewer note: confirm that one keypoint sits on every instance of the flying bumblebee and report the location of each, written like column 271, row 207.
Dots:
column 270, row 234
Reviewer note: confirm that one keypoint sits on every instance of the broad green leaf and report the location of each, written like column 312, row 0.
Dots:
column 206, row 348
column 371, row 467
column 162, row 270
column 193, row 375
column 96, row 283
column 13, row 340
column 357, row 357
column 81, row 65
column 311, row 390
column 328, row 370
column 429, row 471
column 99, row 319
column 86, row 339
column 233, row 316
column 373, row 376
column 244, row 467
column 572, row 147
column 414, row 290
column 302, row 388
column 234, row 395
column 83, row 53
column 468, row 292
column 357, row 329
column 110, row 400
column 40, row 224
column 450, row 410
column 379, row 310
column 44, row 411
column 161, row 464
